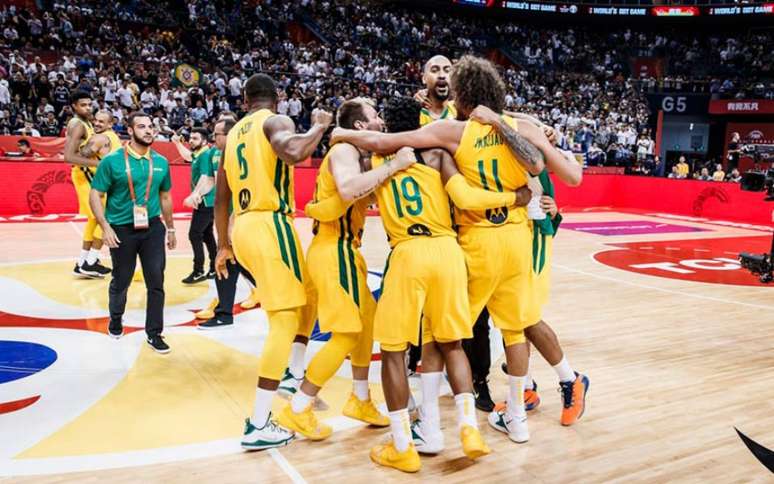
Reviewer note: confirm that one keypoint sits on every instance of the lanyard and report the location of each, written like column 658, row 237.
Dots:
column 129, row 177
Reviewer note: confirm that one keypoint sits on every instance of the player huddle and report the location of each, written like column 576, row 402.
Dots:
column 465, row 232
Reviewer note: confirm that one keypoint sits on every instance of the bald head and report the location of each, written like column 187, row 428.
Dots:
column 436, row 77
column 103, row 121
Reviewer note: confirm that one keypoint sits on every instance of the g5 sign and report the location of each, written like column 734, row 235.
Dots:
column 695, row 104
column 674, row 104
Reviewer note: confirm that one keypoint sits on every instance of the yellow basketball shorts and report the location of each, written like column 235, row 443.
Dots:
column 82, row 190
column 337, row 268
column 424, row 276
column 499, row 274
column 267, row 245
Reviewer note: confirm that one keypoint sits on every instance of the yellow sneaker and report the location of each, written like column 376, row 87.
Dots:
column 387, row 455
column 251, row 301
column 208, row 312
column 472, row 444
column 305, row 423
column 364, row 411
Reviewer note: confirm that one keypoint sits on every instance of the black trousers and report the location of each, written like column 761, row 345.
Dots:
column 149, row 245
column 477, row 348
column 227, row 291
column 201, row 233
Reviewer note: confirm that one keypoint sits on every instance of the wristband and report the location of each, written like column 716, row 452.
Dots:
column 171, row 231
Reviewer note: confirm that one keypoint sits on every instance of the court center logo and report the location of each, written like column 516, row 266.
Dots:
column 713, row 261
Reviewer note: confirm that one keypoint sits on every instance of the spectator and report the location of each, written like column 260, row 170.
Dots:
column 26, row 150
column 719, row 175
column 682, row 167
column 29, row 130
column 734, row 176
column 704, row 176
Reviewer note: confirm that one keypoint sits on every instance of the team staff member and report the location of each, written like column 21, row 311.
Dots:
column 137, row 183
column 223, row 311
column 202, row 200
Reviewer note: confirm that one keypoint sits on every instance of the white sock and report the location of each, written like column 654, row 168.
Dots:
column 262, row 407
column 564, row 370
column 401, row 429
column 360, row 389
column 528, row 383
column 515, row 404
column 466, row 409
column 92, row 257
column 82, row 258
column 431, row 389
column 300, row 401
column 296, row 366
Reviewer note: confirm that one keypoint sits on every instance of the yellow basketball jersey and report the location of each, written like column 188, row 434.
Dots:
column 78, row 173
column 259, row 180
column 115, row 141
column 449, row 112
column 413, row 203
column 348, row 227
column 485, row 161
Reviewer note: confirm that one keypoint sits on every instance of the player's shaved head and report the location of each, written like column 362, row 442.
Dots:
column 435, row 77
column 438, row 61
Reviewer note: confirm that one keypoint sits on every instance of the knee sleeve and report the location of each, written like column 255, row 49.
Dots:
column 513, row 337
column 330, row 357
column 361, row 354
column 283, row 326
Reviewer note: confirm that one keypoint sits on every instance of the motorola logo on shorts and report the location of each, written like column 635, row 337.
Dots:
column 244, row 198
column 497, row 215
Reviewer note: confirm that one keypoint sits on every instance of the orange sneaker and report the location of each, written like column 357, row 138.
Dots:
column 531, row 399
column 574, row 398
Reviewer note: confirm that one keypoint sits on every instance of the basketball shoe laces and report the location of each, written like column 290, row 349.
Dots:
column 565, row 388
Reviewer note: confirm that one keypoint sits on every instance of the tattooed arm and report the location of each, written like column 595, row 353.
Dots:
column 528, row 144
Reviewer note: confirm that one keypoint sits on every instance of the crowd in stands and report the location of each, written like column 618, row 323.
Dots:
column 576, row 79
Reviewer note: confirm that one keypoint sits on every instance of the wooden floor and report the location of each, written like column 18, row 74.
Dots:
column 674, row 366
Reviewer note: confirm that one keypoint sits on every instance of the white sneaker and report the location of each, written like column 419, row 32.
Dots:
column 515, row 427
column 267, row 437
column 426, row 439
column 289, row 385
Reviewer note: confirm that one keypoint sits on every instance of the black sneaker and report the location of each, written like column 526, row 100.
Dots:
column 158, row 344
column 78, row 272
column 102, row 269
column 215, row 323
column 211, row 274
column 92, row 270
column 195, row 278
column 483, row 399
column 115, row 329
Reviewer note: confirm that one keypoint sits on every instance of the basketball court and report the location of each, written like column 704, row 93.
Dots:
column 674, row 336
